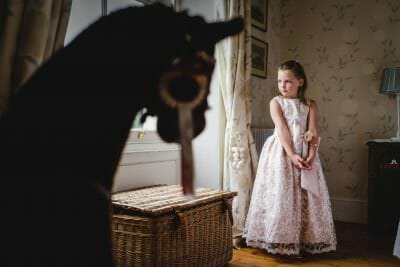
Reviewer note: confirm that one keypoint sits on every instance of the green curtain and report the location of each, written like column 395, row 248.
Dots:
column 30, row 32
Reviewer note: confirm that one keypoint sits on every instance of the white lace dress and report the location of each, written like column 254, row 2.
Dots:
column 283, row 218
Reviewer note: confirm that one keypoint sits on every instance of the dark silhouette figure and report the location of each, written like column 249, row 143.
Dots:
column 62, row 137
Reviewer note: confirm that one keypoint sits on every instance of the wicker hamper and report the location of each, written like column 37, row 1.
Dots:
column 158, row 226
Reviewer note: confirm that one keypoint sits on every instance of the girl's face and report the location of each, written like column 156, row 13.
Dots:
column 288, row 83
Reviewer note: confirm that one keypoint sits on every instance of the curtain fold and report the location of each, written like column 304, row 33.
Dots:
column 234, row 71
column 30, row 32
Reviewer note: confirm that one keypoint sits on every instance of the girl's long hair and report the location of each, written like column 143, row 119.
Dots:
column 298, row 71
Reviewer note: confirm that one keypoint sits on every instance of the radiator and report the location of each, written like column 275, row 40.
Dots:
column 260, row 135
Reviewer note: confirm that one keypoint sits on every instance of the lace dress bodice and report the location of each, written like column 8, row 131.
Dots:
column 296, row 114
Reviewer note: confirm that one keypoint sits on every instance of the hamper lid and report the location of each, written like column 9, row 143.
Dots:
column 160, row 199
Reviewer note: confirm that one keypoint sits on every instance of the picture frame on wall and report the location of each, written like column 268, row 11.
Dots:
column 259, row 14
column 259, row 58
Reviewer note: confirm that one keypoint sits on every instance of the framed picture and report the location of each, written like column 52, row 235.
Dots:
column 259, row 57
column 259, row 14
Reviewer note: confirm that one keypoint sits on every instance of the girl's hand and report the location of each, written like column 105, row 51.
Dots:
column 299, row 162
column 309, row 161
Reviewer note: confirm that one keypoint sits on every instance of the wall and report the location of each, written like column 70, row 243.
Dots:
column 343, row 45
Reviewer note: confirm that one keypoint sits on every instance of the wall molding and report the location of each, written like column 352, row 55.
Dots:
column 349, row 210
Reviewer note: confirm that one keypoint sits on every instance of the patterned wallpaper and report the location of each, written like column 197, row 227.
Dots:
column 343, row 45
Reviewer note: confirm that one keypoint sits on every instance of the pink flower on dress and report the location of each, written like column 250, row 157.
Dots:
column 308, row 136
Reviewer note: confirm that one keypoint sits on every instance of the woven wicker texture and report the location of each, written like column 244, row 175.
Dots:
column 158, row 226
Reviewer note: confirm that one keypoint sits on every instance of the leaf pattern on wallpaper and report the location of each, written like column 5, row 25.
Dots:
column 325, row 162
column 393, row 20
column 341, row 8
column 294, row 52
column 340, row 152
column 322, row 53
column 326, row 89
column 351, row 165
column 395, row 14
column 342, row 63
column 326, row 22
column 350, row 56
column 389, row 51
column 356, row 185
column 326, row 99
column 323, row 125
column 312, row 75
column 388, row 124
column 354, row 120
column 340, row 86
column 352, row 21
column 355, row 189
column 334, row 14
column 354, row 47
column 352, row 93
column 284, row 17
column 313, row 6
column 343, row 134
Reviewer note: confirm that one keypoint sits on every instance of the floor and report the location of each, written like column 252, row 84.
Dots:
column 355, row 248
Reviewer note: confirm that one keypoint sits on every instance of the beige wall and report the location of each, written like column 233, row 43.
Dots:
column 343, row 45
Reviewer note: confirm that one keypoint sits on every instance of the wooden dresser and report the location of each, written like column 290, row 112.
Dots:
column 383, row 186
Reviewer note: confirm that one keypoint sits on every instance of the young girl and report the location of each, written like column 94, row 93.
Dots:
column 290, row 209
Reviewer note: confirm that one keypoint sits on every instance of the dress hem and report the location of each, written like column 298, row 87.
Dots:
column 292, row 249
